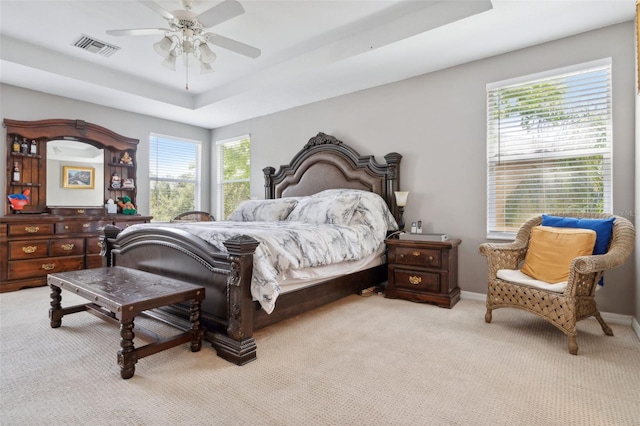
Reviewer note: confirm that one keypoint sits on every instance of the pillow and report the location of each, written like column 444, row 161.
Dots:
column 371, row 209
column 263, row 210
column 551, row 251
column 603, row 228
column 332, row 208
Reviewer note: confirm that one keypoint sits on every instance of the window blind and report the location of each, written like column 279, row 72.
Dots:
column 549, row 146
column 174, row 172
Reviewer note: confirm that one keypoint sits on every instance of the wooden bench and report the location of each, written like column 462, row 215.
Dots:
column 119, row 294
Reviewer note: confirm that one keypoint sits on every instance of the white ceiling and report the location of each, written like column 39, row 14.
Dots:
column 311, row 50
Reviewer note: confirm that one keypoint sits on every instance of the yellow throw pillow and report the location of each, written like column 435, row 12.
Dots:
column 551, row 251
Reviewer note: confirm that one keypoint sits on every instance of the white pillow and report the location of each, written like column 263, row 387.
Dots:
column 335, row 208
column 263, row 210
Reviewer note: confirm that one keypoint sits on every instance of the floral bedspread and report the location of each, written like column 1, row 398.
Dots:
column 286, row 245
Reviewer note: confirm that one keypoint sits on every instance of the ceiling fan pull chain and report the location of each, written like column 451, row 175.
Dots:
column 186, row 68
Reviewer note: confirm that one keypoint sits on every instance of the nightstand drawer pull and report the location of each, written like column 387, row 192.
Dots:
column 415, row 280
column 31, row 229
column 416, row 253
column 67, row 247
column 48, row 266
column 29, row 249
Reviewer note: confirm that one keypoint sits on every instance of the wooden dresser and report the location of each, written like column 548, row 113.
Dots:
column 34, row 245
column 62, row 165
column 423, row 271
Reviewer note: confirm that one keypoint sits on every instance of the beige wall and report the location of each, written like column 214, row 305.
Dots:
column 437, row 122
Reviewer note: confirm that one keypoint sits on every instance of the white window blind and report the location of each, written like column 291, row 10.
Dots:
column 234, row 172
column 174, row 171
column 549, row 146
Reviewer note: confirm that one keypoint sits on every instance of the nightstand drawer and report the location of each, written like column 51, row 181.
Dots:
column 417, row 257
column 416, row 280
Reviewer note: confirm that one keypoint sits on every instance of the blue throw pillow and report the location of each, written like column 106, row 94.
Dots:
column 603, row 228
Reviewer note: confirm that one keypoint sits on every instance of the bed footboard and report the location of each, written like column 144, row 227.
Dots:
column 228, row 309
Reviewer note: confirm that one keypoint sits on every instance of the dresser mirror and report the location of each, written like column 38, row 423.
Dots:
column 65, row 166
column 63, row 153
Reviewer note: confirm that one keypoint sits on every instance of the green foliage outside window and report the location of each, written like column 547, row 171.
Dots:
column 236, row 171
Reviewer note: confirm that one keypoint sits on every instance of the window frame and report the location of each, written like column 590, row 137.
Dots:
column 220, row 182
column 196, row 181
column 494, row 158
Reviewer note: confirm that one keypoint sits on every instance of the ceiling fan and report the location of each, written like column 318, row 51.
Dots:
column 187, row 34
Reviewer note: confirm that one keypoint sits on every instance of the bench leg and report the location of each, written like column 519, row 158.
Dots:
column 196, row 330
column 55, row 313
column 127, row 355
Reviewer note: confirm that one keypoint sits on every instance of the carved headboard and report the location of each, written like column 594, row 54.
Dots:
column 327, row 163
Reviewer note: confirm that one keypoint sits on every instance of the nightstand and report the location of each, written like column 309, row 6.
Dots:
column 423, row 271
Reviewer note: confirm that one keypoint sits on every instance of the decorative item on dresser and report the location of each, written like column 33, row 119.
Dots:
column 423, row 271
column 47, row 231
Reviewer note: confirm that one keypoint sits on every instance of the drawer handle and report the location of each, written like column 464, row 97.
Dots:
column 416, row 253
column 80, row 211
column 66, row 227
column 414, row 280
column 32, row 229
column 29, row 249
column 430, row 257
column 86, row 225
column 48, row 266
column 67, row 247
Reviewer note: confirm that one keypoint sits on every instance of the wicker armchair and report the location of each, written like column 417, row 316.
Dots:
column 194, row 216
column 577, row 302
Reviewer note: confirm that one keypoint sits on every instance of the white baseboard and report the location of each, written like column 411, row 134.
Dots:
column 607, row 316
column 636, row 326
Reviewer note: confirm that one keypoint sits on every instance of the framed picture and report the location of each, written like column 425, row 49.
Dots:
column 78, row 177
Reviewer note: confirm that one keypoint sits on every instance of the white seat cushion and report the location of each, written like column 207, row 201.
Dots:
column 517, row 276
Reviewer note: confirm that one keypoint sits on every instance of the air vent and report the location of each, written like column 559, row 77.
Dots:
column 95, row 46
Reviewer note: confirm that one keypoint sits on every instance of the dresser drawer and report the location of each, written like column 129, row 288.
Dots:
column 93, row 245
column 28, row 249
column 417, row 257
column 78, row 227
column 41, row 267
column 67, row 247
column 416, row 280
column 17, row 230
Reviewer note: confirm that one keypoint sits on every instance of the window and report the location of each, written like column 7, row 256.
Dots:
column 174, row 170
column 234, row 160
column 549, row 146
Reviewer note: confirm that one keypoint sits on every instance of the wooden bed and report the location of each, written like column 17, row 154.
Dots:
column 229, row 314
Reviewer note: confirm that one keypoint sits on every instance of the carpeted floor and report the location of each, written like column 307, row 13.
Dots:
column 359, row 361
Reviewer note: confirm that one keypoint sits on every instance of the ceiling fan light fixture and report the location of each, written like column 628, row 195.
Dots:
column 169, row 62
column 206, row 54
column 163, row 47
column 205, row 68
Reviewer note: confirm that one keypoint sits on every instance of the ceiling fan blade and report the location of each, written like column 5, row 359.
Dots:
column 233, row 45
column 218, row 14
column 138, row 32
column 160, row 11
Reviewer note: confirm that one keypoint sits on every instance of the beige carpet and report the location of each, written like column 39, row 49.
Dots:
column 359, row 361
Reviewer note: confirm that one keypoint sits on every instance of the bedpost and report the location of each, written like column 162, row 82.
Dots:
column 268, row 183
column 393, row 181
column 238, row 345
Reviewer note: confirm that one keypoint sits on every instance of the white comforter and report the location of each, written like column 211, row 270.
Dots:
column 286, row 245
